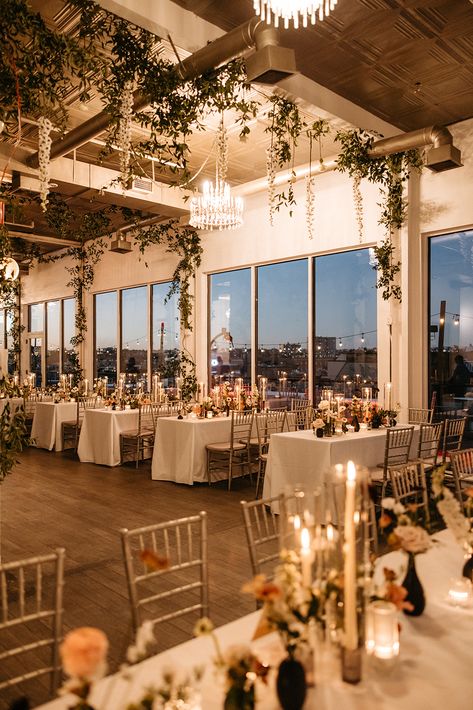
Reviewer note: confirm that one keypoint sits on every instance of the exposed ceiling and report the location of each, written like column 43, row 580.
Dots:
column 410, row 62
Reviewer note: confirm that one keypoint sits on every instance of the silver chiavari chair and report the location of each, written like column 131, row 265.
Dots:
column 453, row 432
column 235, row 452
column 262, row 534
column 157, row 557
column 271, row 423
column 137, row 444
column 409, row 486
column 70, row 430
column 429, row 443
column 396, row 453
column 31, row 593
column 367, row 527
column 302, row 408
column 420, row 416
column 29, row 407
column 461, row 472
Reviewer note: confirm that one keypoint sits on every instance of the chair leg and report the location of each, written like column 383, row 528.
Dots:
column 230, row 470
column 208, row 468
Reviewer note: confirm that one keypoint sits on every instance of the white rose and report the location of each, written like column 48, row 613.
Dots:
column 413, row 538
column 398, row 508
column 388, row 503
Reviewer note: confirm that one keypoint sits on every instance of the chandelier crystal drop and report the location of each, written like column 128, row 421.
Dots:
column 216, row 207
column 299, row 12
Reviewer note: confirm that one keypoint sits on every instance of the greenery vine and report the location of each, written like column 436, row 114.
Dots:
column 390, row 173
column 14, row 438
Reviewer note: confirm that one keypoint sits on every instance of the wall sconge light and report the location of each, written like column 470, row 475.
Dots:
column 340, row 344
column 362, row 337
column 456, row 319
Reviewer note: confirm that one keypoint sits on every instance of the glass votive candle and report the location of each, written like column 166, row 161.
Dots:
column 460, row 592
column 382, row 631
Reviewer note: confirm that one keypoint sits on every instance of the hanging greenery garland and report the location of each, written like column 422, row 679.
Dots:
column 314, row 133
column 390, row 173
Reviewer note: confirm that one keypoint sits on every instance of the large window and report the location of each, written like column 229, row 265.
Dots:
column 165, row 333
column 282, row 327
column 345, row 340
column 53, row 342
column 36, row 318
column 230, row 326
column 451, row 319
column 134, row 332
column 106, row 335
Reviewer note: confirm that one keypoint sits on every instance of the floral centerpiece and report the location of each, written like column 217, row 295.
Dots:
column 450, row 508
column 250, row 399
column 240, row 666
column 208, row 407
column 325, row 417
column 403, row 529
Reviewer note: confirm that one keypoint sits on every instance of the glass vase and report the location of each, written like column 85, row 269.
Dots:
column 415, row 591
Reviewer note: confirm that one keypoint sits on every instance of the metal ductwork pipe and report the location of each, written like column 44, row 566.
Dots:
column 442, row 156
column 209, row 57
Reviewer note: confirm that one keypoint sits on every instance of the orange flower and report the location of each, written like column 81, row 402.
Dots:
column 397, row 594
column 262, row 589
column 153, row 561
column 469, row 492
column 412, row 507
column 385, row 521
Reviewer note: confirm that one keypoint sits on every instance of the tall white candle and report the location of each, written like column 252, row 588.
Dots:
column 86, row 386
column 349, row 609
column 306, row 558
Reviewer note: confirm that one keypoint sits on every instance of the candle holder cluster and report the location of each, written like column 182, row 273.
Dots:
column 328, row 531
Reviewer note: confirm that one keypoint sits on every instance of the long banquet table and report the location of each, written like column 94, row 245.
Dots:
column 179, row 449
column 99, row 440
column 47, row 423
column 433, row 671
column 300, row 458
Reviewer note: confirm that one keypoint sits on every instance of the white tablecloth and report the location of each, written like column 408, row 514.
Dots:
column 99, row 440
column 300, row 458
column 47, row 421
column 432, row 673
column 14, row 403
column 179, row 448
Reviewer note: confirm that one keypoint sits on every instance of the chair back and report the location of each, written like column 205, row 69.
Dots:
column 241, row 426
column 303, row 417
column 453, row 432
column 275, row 422
column 157, row 558
column 146, row 418
column 29, row 405
column 397, row 447
column 290, row 422
column 262, row 534
column 420, row 416
column 429, row 441
column 31, row 618
column 298, row 404
column 408, row 484
column 462, row 470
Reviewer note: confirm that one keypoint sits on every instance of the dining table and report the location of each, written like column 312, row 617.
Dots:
column 99, row 440
column 299, row 458
column 179, row 448
column 47, row 423
column 432, row 671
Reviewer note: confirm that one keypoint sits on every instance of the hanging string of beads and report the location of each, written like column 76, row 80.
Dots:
column 44, row 152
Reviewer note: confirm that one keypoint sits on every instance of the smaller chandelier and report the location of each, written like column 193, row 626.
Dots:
column 295, row 11
column 9, row 269
column 217, row 208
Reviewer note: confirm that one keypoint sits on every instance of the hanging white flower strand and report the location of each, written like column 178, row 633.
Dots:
column 124, row 130
column 271, row 174
column 358, row 201
column 44, row 151
column 222, row 152
column 309, row 194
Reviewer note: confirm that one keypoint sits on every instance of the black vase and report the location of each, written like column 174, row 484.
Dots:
column 319, row 433
column 376, row 422
column 415, row 591
column 291, row 684
column 355, row 423
column 468, row 568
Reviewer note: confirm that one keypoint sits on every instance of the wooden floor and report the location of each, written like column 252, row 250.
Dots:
column 52, row 500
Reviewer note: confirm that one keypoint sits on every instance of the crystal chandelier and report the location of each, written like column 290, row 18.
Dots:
column 217, row 208
column 293, row 10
